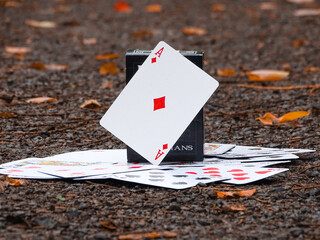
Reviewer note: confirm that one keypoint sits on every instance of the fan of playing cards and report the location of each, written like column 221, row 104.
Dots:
column 162, row 99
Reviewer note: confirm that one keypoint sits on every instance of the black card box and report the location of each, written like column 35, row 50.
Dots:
column 189, row 146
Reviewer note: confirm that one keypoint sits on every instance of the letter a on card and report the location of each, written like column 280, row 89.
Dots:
column 151, row 102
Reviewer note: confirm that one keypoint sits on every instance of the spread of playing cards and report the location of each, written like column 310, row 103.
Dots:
column 164, row 99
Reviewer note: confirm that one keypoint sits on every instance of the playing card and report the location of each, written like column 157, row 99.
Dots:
column 158, row 103
column 211, row 149
column 252, row 159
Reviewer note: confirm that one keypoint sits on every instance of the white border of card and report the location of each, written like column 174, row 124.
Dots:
column 158, row 103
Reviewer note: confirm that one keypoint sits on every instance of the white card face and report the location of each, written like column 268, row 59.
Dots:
column 175, row 178
column 211, row 149
column 159, row 103
column 252, row 159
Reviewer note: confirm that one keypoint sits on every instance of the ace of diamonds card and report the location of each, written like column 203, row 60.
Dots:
column 158, row 103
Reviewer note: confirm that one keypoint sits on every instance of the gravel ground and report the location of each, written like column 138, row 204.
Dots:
column 241, row 37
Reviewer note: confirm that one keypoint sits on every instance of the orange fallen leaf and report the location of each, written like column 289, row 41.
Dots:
column 17, row 50
column 300, row 1
column 89, row 41
column 267, row 75
column 6, row 115
column 268, row 6
column 41, row 100
column 311, row 69
column 306, row 12
column 151, row 235
column 12, row 4
column 142, row 33
column 91, row 104
column 40, row 24
column 269, row 118
column 194, row 31
column 16, row 182
column 56, row 67
column 299, row 42
column 122, row 6
column 218, row 7
column 154, row 8
column 109, row 68
column 107, row 56
column 237, row 207
column 226, row 72
column 107, row 84
column 108, row 225
column 38, row 66
column 238, row 193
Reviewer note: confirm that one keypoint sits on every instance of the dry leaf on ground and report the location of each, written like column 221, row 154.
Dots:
column 91, row 104
column 107, row 56
column 313, row 87
column 154, row 8
column 151, row 235
column 306, row 12
column 6, row 115
column 269, row 118
column 238, row 193
column 268, row 6
column 122, row 6
column 56, row 67
column 12, row 4
column 16, row 182
column 41, row 24
column 38, row 66
column 267, row 75
column 89, row 41
column 142, row 33
column 300, row 1
column 218, row 7
column 109, row 68
column 300, row 42
column 108, row 225
column 194, row 31
column 107, row 84
column 41, row 100
column 237, row 207
column 311, row 69
column 17, row 50
column 226, row 72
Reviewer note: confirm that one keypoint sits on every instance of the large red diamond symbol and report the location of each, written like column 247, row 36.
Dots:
column 159, row 103
column 153, row 60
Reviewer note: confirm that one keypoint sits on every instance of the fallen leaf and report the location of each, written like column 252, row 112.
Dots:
column 237, row 207
column 109, row 68
column 107, row 56
column 41, row 100
column 269, row 118
column 268, row 6
column 226, row 72
column 142, row 33
column 218, row 7
column 194, row 31
column 122, row 6
column 107, row 84
column 89, row 41
column 151, row 235
column 6, row 115
column 299, row 42
column 311, row 69
column 41, row 24
column 300, row 1
column 306, row 12
column 16, row 182
column 17, row 50
column 238, row 193
column 56, row 67
column 91, row 104
column 154, row 8
column 267, row 75
column 108, row 225
column 12, row 4
column 38, row 66
column 62, row 8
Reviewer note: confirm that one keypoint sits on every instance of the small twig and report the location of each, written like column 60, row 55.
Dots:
column 314, row 166
column 305, row 187
column 262, row 201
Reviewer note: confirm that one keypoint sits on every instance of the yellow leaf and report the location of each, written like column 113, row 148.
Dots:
column 91, row 104
column 226, row 72
column 194, row 31
column 107, row 56
column 238, row 193
column 17, row 50
column 154, row 8
column 109, row 68
column 267, row 75
column 292, row 116
column 41, row 100
column 40, row 24
column 267, row 119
